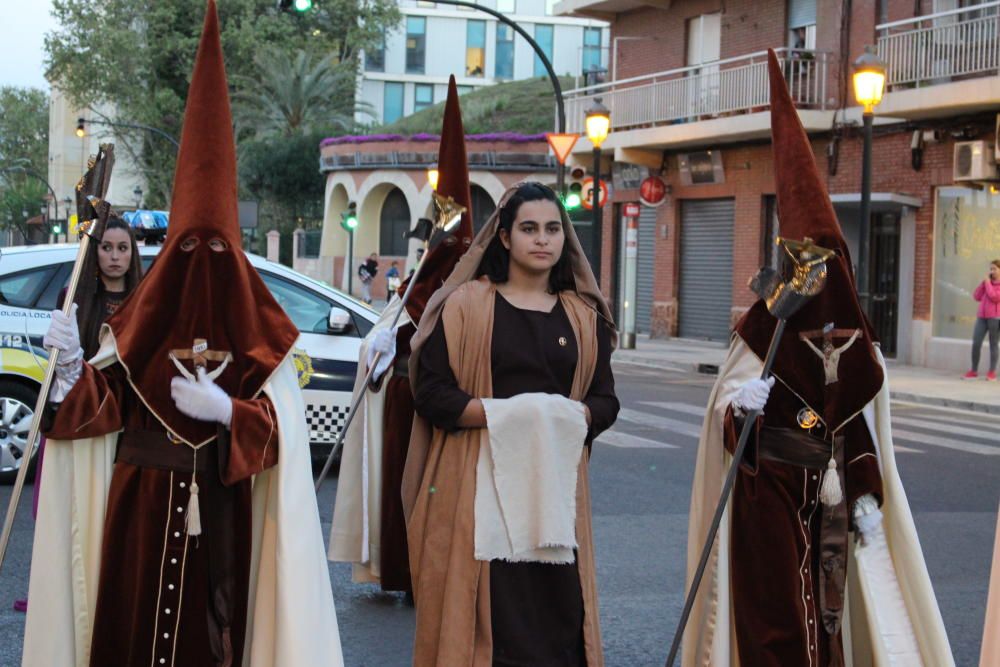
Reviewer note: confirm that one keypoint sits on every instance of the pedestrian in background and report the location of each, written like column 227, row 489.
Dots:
column 987, row 321
column 392, row 280
column 367, row 271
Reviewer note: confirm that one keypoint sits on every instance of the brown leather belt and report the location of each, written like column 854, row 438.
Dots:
column 795, row 447
column 153, row 449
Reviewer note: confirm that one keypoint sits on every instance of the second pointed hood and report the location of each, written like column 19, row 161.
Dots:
column 453, row 181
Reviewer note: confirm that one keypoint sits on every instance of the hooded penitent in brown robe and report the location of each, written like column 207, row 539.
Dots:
column 780, row 582
column 181, row 552
column 380, row 515
column 458, row 621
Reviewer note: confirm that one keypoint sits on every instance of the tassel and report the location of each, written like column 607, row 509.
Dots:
column 831, row 493
column 194, row 512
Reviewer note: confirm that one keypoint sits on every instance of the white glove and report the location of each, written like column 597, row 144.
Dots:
column 753, row 395
column 867, row 517
column 64, row 335
column 383, row 341
column 202, row 399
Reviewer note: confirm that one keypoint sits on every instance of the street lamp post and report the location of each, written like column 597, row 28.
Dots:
column 598, row 122
column 869, row 84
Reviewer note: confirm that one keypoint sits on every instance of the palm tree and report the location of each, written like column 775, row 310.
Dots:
column 295, row 94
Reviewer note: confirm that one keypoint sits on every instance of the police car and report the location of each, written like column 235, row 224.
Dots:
column 331, row 325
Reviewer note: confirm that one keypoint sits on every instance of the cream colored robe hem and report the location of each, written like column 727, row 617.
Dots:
column 291, row 618
column 355, row 533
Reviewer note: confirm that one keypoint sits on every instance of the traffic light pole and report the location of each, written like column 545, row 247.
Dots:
column 350, row 261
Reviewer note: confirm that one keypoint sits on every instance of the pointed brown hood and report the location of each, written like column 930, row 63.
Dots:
column 202, row 284
column 805, row 210
column 453, row 181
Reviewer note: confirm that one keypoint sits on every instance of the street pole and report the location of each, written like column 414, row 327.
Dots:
column 598, row 217
column 350, row 261
column 864, row 222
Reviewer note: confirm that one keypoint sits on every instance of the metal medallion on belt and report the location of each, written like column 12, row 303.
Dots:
column 807, row 418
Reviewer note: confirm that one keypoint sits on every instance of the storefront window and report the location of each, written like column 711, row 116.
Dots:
column 966, row 240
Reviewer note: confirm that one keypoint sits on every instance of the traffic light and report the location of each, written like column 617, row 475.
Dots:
column 57, row 229
column 349, row 218
column 297, row 5
column 574, row 194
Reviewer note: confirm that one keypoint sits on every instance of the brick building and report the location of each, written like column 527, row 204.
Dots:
column 688, row 95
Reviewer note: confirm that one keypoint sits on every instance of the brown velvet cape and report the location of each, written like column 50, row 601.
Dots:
column 451, row 587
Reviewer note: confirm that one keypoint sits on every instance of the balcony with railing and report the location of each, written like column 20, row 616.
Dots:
column 719, row 101
column 958, row 48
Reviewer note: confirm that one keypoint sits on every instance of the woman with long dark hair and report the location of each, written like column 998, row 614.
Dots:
column 111, row 270
column 512, row 382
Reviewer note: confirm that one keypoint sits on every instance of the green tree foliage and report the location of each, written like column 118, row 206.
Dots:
column 24, row 144
column 137, row 57
column 295, row 94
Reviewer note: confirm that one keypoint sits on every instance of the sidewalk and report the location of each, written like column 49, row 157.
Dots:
column 907, row 383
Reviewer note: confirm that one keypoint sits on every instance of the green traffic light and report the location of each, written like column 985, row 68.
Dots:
column 303, row 5
column 57, row 229
column 349, row 223
column 572, row 201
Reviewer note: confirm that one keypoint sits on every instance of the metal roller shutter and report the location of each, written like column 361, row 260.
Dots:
column 645, row 268
column 705, row 294
column 801, row 13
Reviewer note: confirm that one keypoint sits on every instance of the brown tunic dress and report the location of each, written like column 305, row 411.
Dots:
column 164, row 597
column 536, row 609
column 789, row 553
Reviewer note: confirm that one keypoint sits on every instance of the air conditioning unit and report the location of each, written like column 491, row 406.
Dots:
column 974, row 161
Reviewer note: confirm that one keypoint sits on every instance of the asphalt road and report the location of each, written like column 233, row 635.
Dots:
column 641, row 478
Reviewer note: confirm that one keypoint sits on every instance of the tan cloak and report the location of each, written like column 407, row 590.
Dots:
column 451, row 587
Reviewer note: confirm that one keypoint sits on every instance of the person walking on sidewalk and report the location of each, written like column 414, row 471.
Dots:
column 367, row 271
column 987, row 321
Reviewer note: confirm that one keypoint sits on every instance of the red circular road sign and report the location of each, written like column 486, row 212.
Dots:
column 587, row 193
column 653, row 191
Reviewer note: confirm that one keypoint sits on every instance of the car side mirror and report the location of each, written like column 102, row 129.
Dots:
column 339, row 320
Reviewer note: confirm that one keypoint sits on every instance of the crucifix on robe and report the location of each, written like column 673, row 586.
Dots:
column 827, row 351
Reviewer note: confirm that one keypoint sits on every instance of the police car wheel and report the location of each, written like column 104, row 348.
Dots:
column 17, row 406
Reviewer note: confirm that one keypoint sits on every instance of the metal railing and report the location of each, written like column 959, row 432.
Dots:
column 936, row 48
column 730, row 86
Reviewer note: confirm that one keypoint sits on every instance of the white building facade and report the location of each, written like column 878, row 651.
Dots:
column 410, row 72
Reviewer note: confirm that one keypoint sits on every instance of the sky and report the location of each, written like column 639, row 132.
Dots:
column 22, row 51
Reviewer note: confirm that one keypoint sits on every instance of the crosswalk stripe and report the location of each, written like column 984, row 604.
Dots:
column 686, row 408
column 900, row 449
column 946, row 443
column 656, row 421
column 944, row 428
column 628, row 441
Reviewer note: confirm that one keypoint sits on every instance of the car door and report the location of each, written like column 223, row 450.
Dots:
column 326, row 362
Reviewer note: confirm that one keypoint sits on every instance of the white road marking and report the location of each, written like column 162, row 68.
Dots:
column 628, row 441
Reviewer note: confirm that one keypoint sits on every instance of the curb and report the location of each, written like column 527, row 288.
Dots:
column 707, row 368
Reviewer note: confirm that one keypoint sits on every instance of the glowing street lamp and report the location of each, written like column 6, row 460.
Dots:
column 598, row 123
column 432, row 177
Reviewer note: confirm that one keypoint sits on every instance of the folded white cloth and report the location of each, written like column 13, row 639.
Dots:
column 526, row 479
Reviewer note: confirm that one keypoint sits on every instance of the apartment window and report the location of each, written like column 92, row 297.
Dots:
column 507, row 6
column 704, row 39
column 802, row 24
column 543, row 35
column 416, row 44
column 462, row 90
column 375, row 56
column 475, row 48
column 392, row 102
column 423, row 96
column 591, row 49
column 504, row 66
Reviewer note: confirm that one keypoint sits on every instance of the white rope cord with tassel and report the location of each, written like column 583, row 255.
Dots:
column 193, row 518
column 831, row 493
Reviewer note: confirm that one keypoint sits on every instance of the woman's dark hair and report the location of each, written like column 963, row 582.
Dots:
column 89, row 316
column 496, row 260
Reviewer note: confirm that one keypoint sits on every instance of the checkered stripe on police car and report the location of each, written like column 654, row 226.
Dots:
column 325, row 421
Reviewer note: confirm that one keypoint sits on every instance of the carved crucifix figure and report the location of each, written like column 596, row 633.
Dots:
column 828, row 352
column 199, row 355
